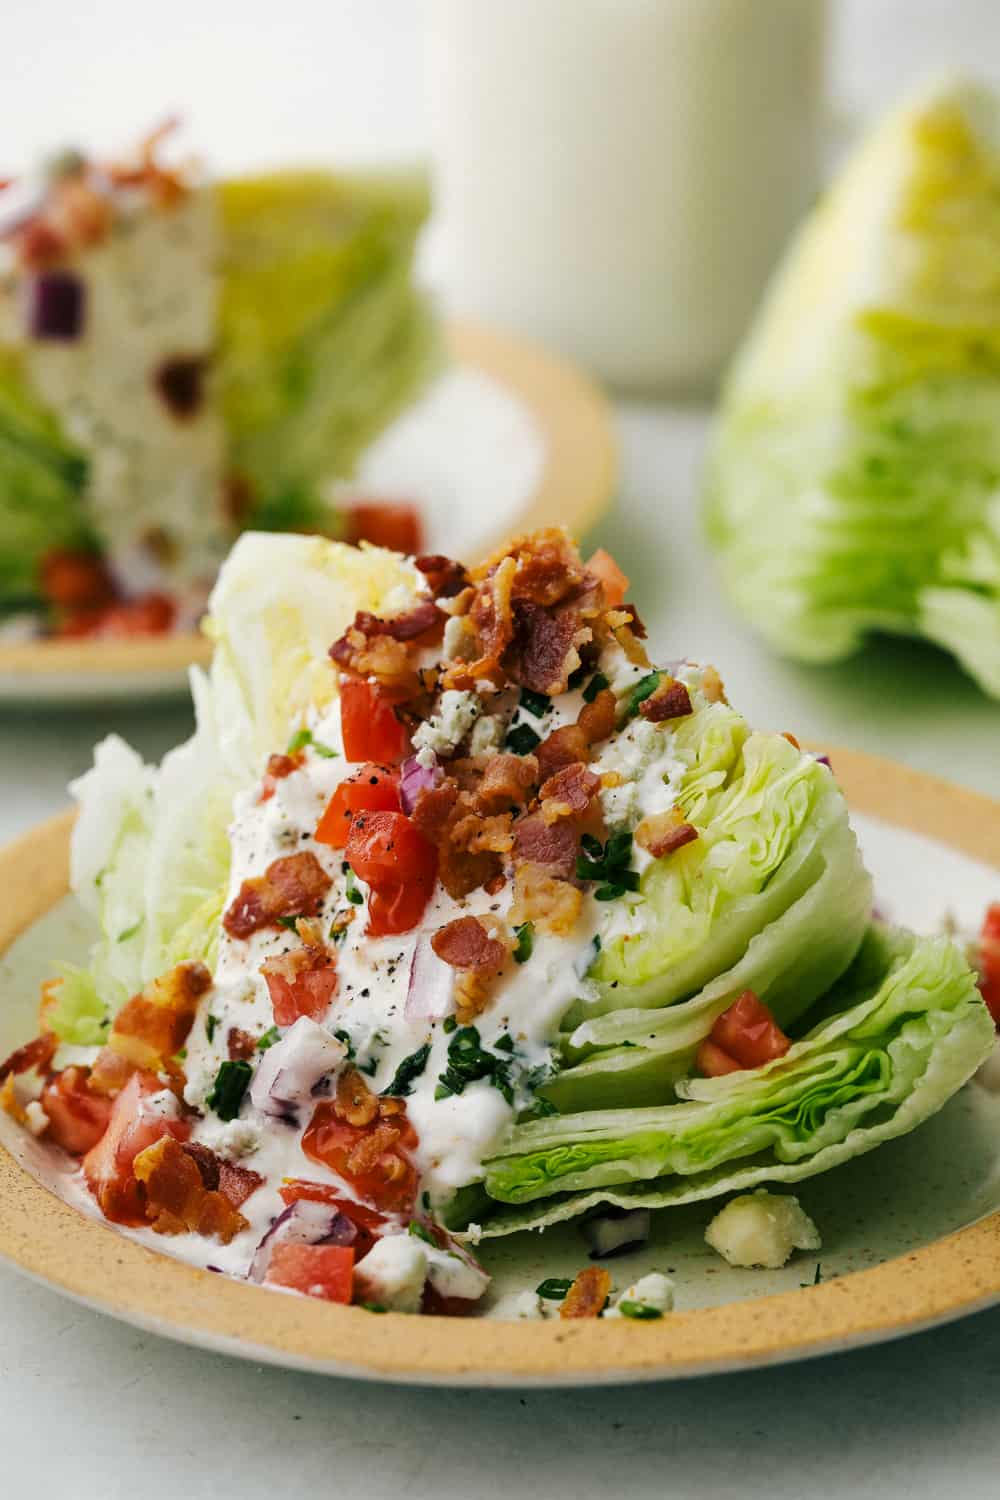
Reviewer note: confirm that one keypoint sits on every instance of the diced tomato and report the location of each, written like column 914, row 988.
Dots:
column 371, row 789
column 301, row 983
column 369, row 725
column 325, row 1271
column 152, row 614
column 385, row 524
column 989, row 961
column 78, row 1117
column 372, row 1158
column 393, row 857
column 744, row 1036
column 76, row 580
column 367, row 1221
column 603, row 566
column 133, row 1126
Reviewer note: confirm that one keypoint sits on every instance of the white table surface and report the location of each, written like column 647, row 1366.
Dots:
column 91, row 1408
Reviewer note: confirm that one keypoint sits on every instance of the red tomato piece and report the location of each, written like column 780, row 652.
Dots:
column 989, row 960
column 372, row 1158
column 301, row 983
column 367, row 1221
column 76, row 580
column 385, row 524
column 324, row 1271
column 369, row 725
column 391, row 855
column 746, row 1035
column 78, row 1117
column 371, row 789
column 133, row 1126
column 603, row 566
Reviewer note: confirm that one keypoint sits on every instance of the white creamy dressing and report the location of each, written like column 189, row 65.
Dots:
column 150, row 292
column 456, row 1133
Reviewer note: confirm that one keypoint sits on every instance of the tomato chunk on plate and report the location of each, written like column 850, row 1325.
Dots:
column 324, row 1271
column 369, row 725
column 989, row 961
column 300, row 983
column 371, row 1158
column 78, row 1116
column 373, row 788
column 393, row 857
column 136, row 1122
column 385, row 523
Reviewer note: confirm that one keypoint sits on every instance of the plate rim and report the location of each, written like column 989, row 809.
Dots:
column 575, row 485
column 91, row 1262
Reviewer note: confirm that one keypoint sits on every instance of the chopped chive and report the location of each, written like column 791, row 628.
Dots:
column 644, row 688
column 291, row 923
column 540, row 1109
column 553, row 1288
column 299, row 740
column 410, row 1068
column 523, row 739
column 536, row 704
column 345, row 1037
column 449, row 1024
column 129, row 932
column 504, row 1043
column 268, row 1038
column 641, row 1311
column 596, row 685
column 370, row 1068
column 421, row 1232
column 353, row 894
column 819, row 1274
column 211, row 1022
column 374, row 1307
column 524, row 947
column 231, row 1083
column 575, row 679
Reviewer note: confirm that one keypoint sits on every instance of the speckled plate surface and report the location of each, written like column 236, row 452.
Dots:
column 507, row 439
column 911, row 1232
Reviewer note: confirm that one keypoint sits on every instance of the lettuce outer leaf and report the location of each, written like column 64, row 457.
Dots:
column 861, row 1076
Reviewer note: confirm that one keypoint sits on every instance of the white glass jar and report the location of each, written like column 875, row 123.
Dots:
column 617, row 177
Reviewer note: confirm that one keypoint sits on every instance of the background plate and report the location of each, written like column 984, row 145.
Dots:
column 911, row 1232
column 508, row 438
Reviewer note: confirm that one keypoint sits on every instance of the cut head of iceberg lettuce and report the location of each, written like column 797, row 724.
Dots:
column 854, row 480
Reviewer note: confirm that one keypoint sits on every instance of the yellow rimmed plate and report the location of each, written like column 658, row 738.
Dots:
column 911, row 1232
column 508, row 438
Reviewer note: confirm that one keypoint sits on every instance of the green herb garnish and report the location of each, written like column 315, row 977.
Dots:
column 344, row 1036
column 641, row 1311
column 303, row 737
column 291, row 923
column 268, row 1038
column 539, row 1109
column 231, row 1083
column 575, row 679
column 525, row 942
column 129, row 932
column 608, row 863
column 354, row 896
column 504, row 1043
column 553, row 1288
column 644, row 688
column 449, row 1024
column 596, row 685
column 375, row 1307
column 410, row 1068
column 469, row 1061
column 421, row 1232
column 211, row 1022
column 536, row 704
column 523, row 739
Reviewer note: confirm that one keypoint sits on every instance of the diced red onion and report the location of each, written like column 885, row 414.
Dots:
column 414, row 779
column 305, row 1223
column 56, row 302
column 824, row 760
column 431, row 992
column 290, row 1070
column 616, row 1230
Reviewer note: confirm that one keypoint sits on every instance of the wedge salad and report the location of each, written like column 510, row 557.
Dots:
column 456, row 917
column 182, row 358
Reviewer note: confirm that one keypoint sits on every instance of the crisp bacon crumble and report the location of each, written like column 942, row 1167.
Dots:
column 588, row 1296
column 292, row 886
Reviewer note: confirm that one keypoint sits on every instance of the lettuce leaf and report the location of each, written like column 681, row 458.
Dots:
column 914, row 1032
column 852, row 486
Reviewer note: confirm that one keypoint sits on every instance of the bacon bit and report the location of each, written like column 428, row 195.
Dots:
column 561, row 748
column 495, row 886
column 444, row 577
column 37, row 1054
column 636, row 626
column 110, row 1072
column 543, row 653
column 661, row 833
column 376, row 1150
column 207, row 1162
column 551, row 904
column 177, row 1200
column 553, row 846
column 394, row 525
column 10, row 1103
column 588, row 1296
column 153, row 1026
column 291, row 886
column 616, row 625
column 466, row 944
column 240, row 1045
column 491, row 614
column 219, row 1174
column 603, row 567
column 38, row 244
column 355, row 1101
column 599, row 719
column 278, row 767
column 475, row 834
column 507, row 782
column 711, row 686
column 381, row 658
column 671, row 700
column 408, row 626
column 547, row 564
column 568, row 792
column 437, row 813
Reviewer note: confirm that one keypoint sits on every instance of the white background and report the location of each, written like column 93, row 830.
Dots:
column 89, row 1408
